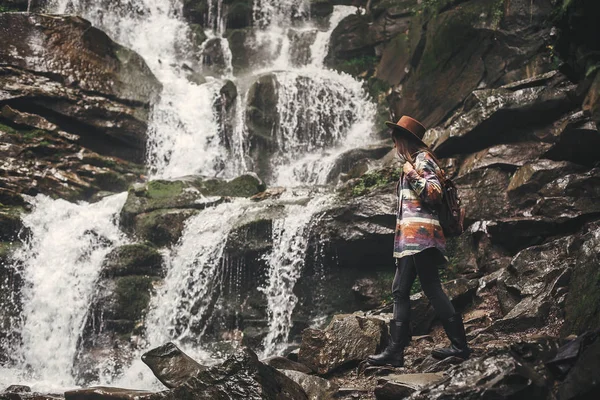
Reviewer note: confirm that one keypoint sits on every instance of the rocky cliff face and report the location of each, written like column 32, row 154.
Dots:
column 509, row 90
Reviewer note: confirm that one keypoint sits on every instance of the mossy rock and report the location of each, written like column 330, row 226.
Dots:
column 132, row 295
column 192, row 193
column 370, row 181
column 133, row 259
column 253, row 237
column 162, row 227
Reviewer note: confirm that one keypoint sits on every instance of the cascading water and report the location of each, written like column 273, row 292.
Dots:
column 322, row 114
column 60, row 264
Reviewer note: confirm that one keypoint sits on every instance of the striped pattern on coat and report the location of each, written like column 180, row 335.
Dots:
column 417, row 223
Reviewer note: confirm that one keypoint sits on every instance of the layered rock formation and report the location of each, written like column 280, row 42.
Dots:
column 510, row 91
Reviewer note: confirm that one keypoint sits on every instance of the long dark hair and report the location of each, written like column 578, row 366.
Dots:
column 408, row 148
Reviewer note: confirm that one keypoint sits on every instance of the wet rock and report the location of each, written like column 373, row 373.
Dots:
column 240, row 376
column 283, row 363
column 369, row 292
column 316, row 388
column 213, row 57
column 533, row 175
column 495, row 376
column 483, row 194
column 348, row 160
column 162, row 227
column 582, row 308
column 574, row 138
column 348, row 338
column 133, row 259
column 498, row 116
column 171, row 365
column 507, row 156
column 107, row 393
column 18, row 389
column 401, row 386
column 460, row 50
column 57, row 81
column 190, row 193
column 591, row 104
column 225, row 106
column 582, row 381
column 533, row 281
column 300, row 42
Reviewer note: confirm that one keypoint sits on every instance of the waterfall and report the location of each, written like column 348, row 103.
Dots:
column 183, row 136
column 322, row 113
column 290, row 242
column 60, row 264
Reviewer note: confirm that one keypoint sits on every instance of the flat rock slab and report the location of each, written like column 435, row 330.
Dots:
column 400, row 386
column 316, row 388
column 107, row 393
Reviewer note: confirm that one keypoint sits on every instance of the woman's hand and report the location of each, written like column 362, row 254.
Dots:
column 407, row 167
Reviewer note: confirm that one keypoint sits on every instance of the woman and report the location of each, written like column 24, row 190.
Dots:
column 419, row 246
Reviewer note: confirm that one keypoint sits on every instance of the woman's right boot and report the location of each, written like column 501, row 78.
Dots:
column 394, row 353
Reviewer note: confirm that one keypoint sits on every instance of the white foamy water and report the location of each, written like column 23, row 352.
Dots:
column 286, row 261
column 183, row 136
column 322, row 113
column 60, row 264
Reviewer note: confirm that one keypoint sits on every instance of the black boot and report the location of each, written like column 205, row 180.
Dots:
column 456, row 333
column 394, row 353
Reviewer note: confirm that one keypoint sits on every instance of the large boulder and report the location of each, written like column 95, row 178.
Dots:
column 171, row 365
column 535, row 284
column 466, row 45
column 52, row 64
column 347, row 339
column 496, row 116
column 494, row 376
column 240, row 376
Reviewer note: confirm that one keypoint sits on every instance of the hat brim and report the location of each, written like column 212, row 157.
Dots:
column 396, row 128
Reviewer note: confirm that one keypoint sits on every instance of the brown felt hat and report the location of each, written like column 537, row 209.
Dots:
column 410, row 126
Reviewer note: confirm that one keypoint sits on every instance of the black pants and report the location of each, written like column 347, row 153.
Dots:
column 424, row 264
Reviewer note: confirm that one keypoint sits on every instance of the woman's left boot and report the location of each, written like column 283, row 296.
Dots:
column 458, row 339
column 394, row 353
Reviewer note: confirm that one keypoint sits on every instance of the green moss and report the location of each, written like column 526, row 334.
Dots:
column 358, row 65
column 164, row 189
column 373, row 180
column 133, row 296
column 6, row 249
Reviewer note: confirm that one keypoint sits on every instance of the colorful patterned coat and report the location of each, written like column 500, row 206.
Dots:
column 417, row 224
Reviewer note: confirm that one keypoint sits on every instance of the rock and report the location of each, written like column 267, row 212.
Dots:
column 533, row 175
column 494, row 116
column 57, row 81
column 171, row 365
column 495, row 375
column 348, row 160
column 532, row 281
column 591, row 104
column 483, row 194
column 189, row 193
column 507, row 156
column 241, row 376
column 370, row 292
column 459, row 49
column 213, row 57
column 133, row 259
column 108, row 393
column 401, row 386
column 162, row 227
column 300, row 42
column 582, row 381
column 316, row 388
column 348, row 338
column 283, row 363
column 18, row 389
column 582, row 308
